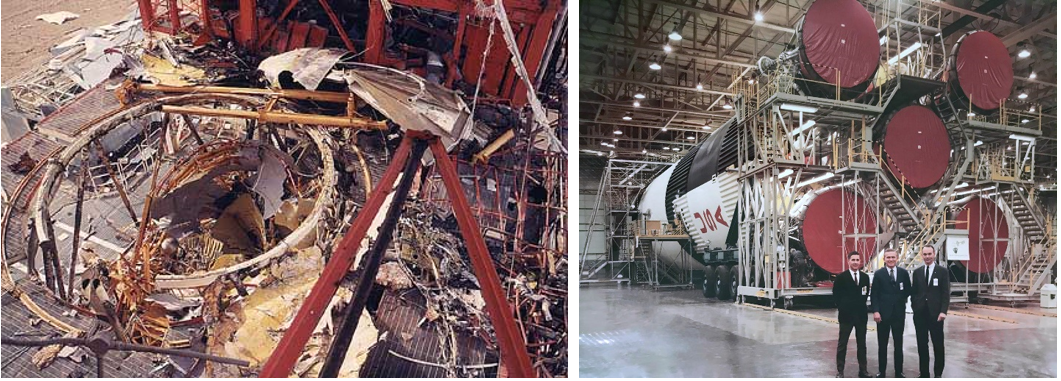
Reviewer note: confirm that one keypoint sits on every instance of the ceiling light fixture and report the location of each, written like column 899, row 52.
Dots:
column 1022, row 95
column 689, row 138
column 617, row 132
column 627, row 117
column 654, row 66
column 758, row 13
column 816, row 179
column 667, row 48
column 974, row 191
column 664, row 129
column 706, row 127
column 905, row 52
column 960, row 186
column 1032, row 109
column 644, row 151
column 792, row 107
column 1032, row 75
column 639, row 96
column 700, row 87
column 637, row 104
column 674, row 35
column 1024, row 53
column 1021, row 138
column 727, row 106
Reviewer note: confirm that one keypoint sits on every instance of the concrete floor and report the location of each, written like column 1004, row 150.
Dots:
column 639, row 333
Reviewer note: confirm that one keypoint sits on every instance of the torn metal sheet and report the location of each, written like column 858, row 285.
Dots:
column 58, row 18
column 270, row 181
column 99, row 62
column 308, row 66
column 77, row 38
column 412, row 102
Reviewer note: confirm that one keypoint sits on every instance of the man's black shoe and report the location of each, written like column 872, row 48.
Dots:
column 839, row 374
column 879, row 375
column 900, row 375
column 864, row 375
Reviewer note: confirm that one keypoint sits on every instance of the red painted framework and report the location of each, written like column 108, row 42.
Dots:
column 532, row 25
column 510, row 340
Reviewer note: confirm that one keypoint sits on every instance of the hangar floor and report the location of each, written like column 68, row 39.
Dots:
column 639, row 333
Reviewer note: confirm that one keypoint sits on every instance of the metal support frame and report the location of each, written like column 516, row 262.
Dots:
column 510, row 341
column 616, row 198
column 535, row 30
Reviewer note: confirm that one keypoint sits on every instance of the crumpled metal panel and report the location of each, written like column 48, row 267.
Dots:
column 308, row 66
column 412, row 102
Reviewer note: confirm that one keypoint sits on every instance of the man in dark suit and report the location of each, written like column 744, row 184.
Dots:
column 930, row 302
column 850, row 291
column 891, row 287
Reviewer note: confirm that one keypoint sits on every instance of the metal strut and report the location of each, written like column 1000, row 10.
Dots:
column 510, row 341
column 352, row 314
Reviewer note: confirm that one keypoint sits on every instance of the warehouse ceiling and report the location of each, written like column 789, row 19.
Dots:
column 682, row 100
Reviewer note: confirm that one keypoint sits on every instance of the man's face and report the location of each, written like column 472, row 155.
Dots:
column 854, row 262
column 890, row 258
column 928, row 254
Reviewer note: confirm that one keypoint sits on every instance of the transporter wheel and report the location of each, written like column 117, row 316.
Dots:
column 725, row 282
column 733, row 282
column 788, row 303
column 710, row 282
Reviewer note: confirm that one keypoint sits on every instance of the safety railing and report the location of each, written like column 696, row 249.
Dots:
column 782, row 81
column 1023, row 264
column 1006, row 161
column 938, row 224
column 1011, row 113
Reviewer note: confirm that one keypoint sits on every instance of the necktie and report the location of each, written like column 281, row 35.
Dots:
column 855, row 275
column 891, row 273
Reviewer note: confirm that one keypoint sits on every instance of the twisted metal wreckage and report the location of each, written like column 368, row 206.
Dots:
column 235, row 231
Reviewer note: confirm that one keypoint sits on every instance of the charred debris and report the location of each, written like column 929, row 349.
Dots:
column 171, row 199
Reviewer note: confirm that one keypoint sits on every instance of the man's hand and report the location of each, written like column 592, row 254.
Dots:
column 876, row 317
column 942, row 316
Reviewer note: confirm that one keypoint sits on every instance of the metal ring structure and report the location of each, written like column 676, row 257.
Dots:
column 56, row 165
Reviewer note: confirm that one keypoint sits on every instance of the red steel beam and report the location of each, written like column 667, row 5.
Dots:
column 272, row 27
column 147, row 14
column 247, row 24
column 174, row 16
column 376, row 32
column 509, row 339
column 535, row 51
column 287, row 352
column 338, row 26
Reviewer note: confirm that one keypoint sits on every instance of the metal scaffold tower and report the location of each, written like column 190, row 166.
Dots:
column 625, row 258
